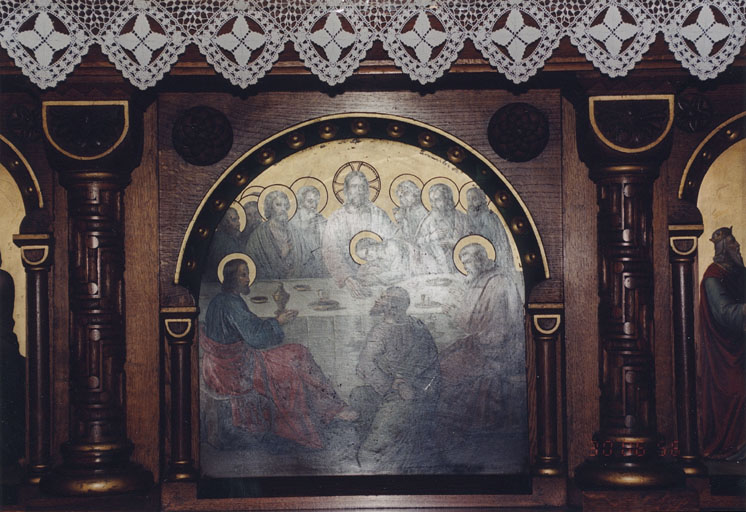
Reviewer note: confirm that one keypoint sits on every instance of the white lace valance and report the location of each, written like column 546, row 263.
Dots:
column 242, row 39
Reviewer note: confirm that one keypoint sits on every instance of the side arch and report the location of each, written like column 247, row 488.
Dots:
column 20, row 169
column 523, row 233
column 717, row 142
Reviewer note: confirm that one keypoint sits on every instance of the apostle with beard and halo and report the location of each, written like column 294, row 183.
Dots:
column 723, row 348
column 225, row 241
column 275, row 246
column 410, row 212
column 310, row 224
column 481, row 370
column 483, row 221
column 275, row 388
column 440, row 230
column 357, row 214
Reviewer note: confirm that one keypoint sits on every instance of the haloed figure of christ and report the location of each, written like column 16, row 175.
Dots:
column 723, row 327
column 13, row 383
column 276, row 389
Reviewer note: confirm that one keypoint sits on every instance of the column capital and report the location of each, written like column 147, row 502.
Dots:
column 625, row 135
column 178, row 324
column 100, row 138
column 36, row 250
column 682, row 242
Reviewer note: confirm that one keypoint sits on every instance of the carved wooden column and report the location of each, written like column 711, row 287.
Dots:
column 546, row 326
column 682, row 253
column 623, row 140
column 94, row 145
column 178, row 328
column 36, row 255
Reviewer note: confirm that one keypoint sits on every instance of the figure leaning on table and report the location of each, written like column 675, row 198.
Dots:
column 274, row 388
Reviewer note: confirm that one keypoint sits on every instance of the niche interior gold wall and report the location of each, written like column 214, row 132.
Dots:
column 11, row 215
column 722, row 201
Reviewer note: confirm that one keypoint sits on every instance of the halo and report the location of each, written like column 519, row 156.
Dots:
column 241, row 215
column 428, row 185
column 289, row 193
column 353, row 245
column 310, row 181
column 468, row 240
column 370, row 172
column 399, row 179
column 237, row 256
column 250, row 193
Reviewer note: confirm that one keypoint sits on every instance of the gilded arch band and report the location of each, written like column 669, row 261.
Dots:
column 522, row 232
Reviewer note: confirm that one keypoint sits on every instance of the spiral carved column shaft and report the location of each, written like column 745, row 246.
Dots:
column 623, row 141
column 96, row 458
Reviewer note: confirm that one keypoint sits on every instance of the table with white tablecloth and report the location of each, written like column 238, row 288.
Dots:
column 335, row 334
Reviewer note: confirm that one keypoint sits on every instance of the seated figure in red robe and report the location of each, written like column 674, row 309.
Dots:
column 274, row 388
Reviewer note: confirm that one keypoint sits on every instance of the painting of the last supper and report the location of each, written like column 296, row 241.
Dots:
column 362, row 313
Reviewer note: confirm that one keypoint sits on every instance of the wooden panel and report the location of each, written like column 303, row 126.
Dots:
column 581, row 297
column 141, row 288
column 463, row 113
column 547, row 492
column 60, row 328
column 663, row 328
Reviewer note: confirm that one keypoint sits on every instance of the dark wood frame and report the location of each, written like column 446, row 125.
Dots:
column 545, row 319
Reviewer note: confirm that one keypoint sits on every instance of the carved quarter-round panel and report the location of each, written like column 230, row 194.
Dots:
column 518, row 132
column 85, row 130
column 631, row 125
column 693, row 112
column 22, row 124
column 202, row 135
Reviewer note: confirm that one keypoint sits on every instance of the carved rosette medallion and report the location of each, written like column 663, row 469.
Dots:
column 693, row 112
column 202, row 135
column 21, row 124
column 518, row 132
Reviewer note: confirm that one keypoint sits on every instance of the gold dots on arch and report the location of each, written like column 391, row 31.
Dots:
column 468, row 240
column 237, row 256
column 288, row 192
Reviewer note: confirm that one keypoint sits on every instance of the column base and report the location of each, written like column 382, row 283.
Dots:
column 548, row 466
column 182, row 471
column 96, row 470
column 693, row 465
column 628, row 473
column 67, row 481
column 34, row 474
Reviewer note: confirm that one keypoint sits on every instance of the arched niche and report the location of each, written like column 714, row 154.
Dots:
column 21, row 195
column 710, row 195
column 387, row 150
column 526, row 245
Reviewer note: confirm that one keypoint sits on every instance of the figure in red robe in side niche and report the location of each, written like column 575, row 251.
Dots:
column 723, row 325
column 274, row 388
